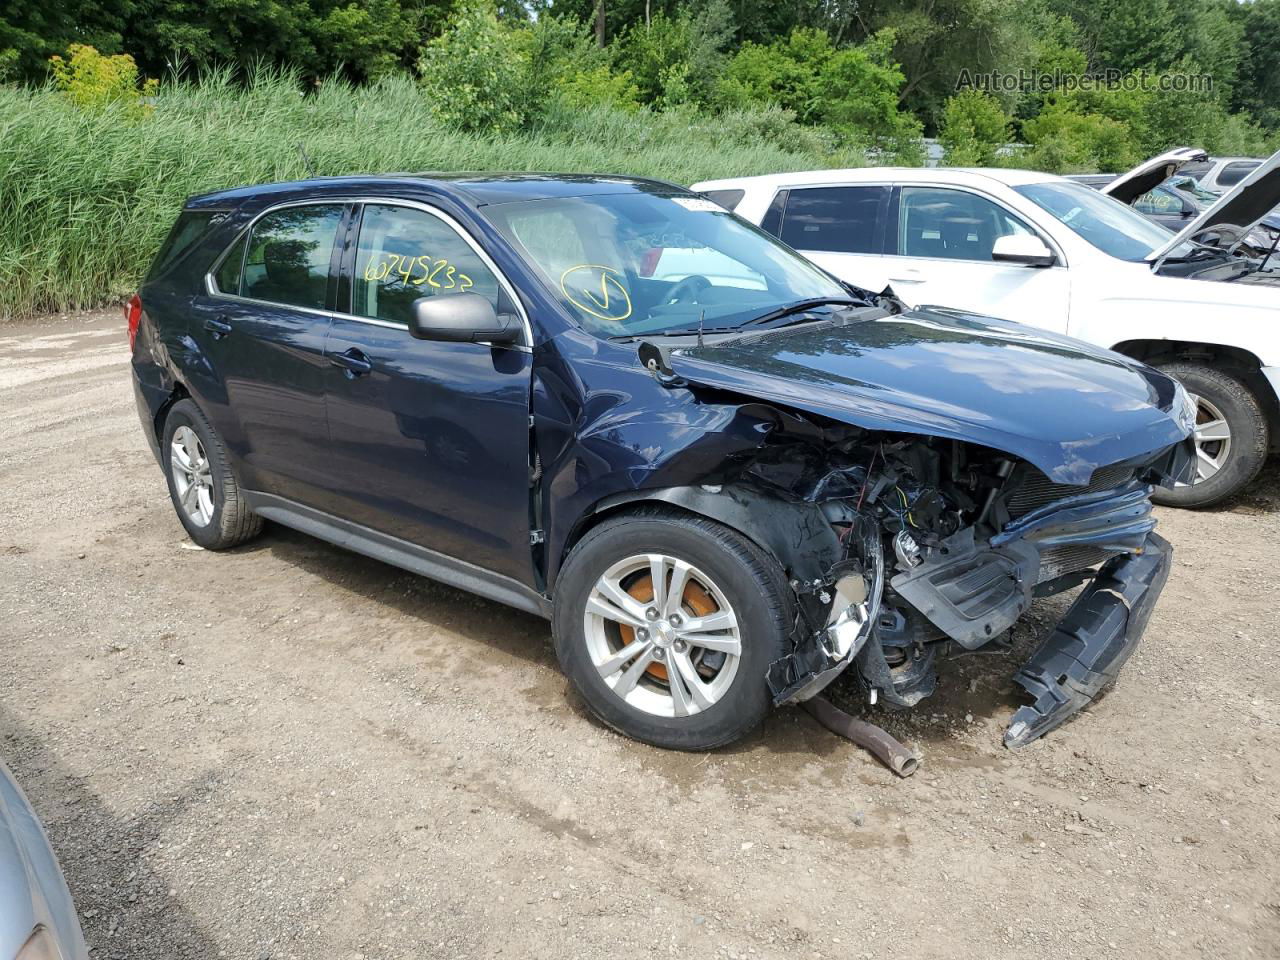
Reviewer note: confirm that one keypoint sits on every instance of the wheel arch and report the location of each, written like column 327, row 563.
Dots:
column 179, row 392
column 1242, row 364
column 796, row 534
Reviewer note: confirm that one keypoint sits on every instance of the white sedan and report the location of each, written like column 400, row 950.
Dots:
column 1044, row 250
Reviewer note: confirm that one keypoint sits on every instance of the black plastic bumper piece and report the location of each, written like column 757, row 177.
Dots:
column 1087, row 649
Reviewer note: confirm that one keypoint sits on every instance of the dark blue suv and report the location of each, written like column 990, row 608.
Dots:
column 726, row 478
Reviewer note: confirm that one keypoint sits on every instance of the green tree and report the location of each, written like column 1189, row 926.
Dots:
column 1258, row 90
column 1133, row 35
column 935, row 40
column 852, row 88
column 677, row 59
column 473, row 77
column 786, row 72
column 362, row 38
column 31, row 33
column 974, row 127
column 92, row 79
column 1065, row 139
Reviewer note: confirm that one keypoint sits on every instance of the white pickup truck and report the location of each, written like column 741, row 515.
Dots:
column 1044, row 250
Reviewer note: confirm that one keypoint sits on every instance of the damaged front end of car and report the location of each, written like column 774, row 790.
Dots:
column 920, row 476
column 945, row 544
column 899, row 544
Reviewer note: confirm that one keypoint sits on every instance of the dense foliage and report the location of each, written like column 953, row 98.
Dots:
column 88, row 194
column 112, row 110
column 876, row 69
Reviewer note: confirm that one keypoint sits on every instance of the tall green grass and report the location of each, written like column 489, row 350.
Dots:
column 86, row 196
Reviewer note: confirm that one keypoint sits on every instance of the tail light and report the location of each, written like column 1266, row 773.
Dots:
column 133, row 316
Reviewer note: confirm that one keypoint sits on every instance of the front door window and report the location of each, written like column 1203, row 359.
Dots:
column 952, row 224
column 404, row 254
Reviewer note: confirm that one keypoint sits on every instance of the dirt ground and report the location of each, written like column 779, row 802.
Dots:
column 288, row 751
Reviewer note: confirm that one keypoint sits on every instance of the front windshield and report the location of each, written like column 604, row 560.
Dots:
column 1111, row 226
column 640, row 263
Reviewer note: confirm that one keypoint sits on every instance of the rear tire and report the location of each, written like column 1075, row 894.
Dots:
column 731, row 595
column 1233, row 462
column 203, row 489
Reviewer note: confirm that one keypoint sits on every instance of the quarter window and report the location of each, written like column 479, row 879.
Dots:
column 1233, row 173
column 289, row 254
column 189, row 229
column 952, row 224
column 725, row 198
column 833, row 219
column 404, row 254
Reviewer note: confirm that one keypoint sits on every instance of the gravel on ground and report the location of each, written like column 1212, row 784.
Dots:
column 289, row 751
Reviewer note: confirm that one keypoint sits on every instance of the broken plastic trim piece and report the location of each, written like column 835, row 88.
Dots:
column 823, row 655
column 1087, row 649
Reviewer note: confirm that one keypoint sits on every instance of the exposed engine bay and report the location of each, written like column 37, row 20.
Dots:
column 899, row 547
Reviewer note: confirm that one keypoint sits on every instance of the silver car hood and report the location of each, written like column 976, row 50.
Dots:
column 18, row 908
column 1236, row 213
column 32, row 889
column 1149, row 174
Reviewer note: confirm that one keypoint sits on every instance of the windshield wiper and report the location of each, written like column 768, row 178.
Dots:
column 801, row 306
column 790, row 309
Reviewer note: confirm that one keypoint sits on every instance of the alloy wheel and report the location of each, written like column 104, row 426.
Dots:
column 192, row 476
column 1212, row 439
column 662, row 635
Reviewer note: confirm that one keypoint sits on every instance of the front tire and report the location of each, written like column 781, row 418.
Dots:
column 1231, row 437
column 203, row 489
column 682, row 666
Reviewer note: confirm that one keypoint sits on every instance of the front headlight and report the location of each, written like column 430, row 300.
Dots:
column 41, row 946
column 1183, row 408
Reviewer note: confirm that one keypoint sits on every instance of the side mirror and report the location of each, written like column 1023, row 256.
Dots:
column 461, row 318
column 1023, row 248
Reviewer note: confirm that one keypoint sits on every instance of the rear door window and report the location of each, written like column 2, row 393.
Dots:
column 405, row 253
column 227, row 277
column 289, row 255
column 834, row 219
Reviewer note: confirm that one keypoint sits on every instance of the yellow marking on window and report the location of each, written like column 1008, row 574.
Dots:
column 406, row 270
column 613, row 303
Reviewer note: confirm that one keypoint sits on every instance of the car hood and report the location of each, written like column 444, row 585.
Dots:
column 1237, row 212
column 17, row 909
column 1149, row 174
column 1062, row 405
column 32, row 888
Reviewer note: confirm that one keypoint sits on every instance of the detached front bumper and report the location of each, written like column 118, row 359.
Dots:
column 1087, row 649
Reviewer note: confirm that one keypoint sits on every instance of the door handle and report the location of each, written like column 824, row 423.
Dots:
column 219, row 327
column 912, row 276
column 354, row 363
